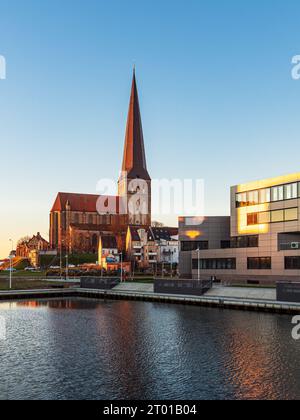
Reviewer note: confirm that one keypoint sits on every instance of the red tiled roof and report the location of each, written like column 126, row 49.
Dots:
column 78, row 202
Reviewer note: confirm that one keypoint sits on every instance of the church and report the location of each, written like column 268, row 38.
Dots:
column 76, row 224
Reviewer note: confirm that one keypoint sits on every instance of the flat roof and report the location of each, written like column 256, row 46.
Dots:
column 269, row 182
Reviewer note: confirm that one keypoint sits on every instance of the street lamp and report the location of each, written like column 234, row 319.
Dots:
column 121, row 255
column 198, row 251
column 10, row 263
column 67, row 267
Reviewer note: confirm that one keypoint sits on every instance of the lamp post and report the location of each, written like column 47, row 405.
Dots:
column 67, row 266
column 10, row 263
column 121, row 255
column 60, row 256
column 198, row 251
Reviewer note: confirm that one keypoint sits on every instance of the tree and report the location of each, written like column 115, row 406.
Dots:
column 23, row 240
column 157, row 224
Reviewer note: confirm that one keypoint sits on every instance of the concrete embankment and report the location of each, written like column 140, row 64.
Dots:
column 140, row 292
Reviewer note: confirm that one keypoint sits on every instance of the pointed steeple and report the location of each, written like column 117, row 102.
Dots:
column 134, row 160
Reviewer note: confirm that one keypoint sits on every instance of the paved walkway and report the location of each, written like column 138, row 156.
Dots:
column 242, row 293
column 135, row 287
column 216, row 291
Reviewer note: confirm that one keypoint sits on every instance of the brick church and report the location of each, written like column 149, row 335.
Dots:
column 76, row 224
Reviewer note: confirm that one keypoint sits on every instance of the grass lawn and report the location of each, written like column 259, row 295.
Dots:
column 29, row 284
column 22, row 273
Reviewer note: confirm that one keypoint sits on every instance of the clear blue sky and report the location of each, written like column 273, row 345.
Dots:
column 217, row 98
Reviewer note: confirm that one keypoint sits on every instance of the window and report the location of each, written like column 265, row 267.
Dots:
column 265, row 196
column 215, row 264
column 253, row 241
column 292, row 263
column 290, row 214
column 253, row 198
column 277, row 193
column 260, row 263
column 277, row 216
column 225, row 244
column 252, row 219
column 244, row 241
column 241, row 200
column 264, row 217
column 291, row 191
column 188, row 246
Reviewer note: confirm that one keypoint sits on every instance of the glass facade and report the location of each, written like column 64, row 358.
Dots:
column 274, row 216
column 241, row 242
column 259, row 263
column 268, row 195
column 215, row 264
column 292, row 263
column 188, row 246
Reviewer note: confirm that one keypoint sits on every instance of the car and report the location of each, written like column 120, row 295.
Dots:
column 8, row 270
column 30, row 269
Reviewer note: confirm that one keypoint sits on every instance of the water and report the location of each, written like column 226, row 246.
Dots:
column 86, row 349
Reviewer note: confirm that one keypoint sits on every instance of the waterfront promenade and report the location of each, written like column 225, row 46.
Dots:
column 239, row 298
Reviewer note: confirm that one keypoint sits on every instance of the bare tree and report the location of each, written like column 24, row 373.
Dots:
column 23, row 240
column 157, row 224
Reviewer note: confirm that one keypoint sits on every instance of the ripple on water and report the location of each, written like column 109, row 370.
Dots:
column 73, row 349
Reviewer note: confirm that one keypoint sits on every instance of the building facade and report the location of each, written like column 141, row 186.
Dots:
column 146, row 248
column 36, row 243
column 77, row 221
column 258, row 243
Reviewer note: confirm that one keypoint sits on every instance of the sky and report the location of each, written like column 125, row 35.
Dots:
column 217, row 98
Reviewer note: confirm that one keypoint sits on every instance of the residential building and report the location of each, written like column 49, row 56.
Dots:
column 108, row 251
column 147, row 248
column 36, row 243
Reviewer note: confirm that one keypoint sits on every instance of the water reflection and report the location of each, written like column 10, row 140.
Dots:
column 86, row 349
column 58, row 304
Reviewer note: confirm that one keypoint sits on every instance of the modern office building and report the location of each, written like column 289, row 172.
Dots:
column 258, row 243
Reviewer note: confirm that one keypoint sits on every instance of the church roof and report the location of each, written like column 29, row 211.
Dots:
column 134, row 160
column 77, row 202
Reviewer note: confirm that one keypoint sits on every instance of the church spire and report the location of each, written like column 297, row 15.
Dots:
column 134, row 160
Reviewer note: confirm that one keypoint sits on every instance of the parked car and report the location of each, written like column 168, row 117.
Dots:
column 10, row 270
